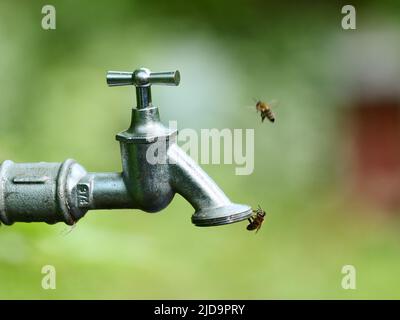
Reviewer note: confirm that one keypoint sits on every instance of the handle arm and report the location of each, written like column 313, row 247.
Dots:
column 142, row 78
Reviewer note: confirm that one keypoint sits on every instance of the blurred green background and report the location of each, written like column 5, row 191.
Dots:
column 54, row 105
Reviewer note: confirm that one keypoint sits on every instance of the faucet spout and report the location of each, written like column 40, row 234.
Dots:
column 212, row 206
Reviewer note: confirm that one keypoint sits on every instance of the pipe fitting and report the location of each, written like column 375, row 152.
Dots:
column 33, row 192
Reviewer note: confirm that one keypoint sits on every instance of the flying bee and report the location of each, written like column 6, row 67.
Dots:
column 256, row 220
column 265, row 110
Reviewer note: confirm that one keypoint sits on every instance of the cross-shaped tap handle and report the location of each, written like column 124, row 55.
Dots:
column 142, row 78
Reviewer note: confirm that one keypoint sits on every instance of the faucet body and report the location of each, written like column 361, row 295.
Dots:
column 64, row 192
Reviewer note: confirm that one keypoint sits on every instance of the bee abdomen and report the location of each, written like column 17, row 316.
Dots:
column 268, row 113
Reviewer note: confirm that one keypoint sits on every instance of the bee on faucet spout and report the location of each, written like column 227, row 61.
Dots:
column 256, row 221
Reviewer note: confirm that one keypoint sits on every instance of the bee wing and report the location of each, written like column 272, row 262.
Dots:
column 259, row 226
column 274, row 103
column 251, row 107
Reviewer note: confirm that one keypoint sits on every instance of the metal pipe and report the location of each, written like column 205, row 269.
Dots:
column 107, row 191
column 39, row 192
